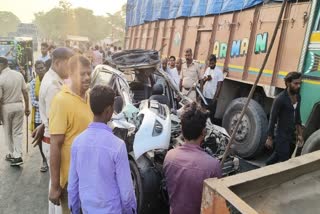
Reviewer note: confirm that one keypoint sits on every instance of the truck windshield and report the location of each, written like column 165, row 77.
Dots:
column 7, row 50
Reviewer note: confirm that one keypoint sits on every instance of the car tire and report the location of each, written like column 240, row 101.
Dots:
column 312, row 144
column 146, row 181
column 252, row 134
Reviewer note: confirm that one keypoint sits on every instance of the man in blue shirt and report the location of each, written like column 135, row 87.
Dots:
column 99, row 176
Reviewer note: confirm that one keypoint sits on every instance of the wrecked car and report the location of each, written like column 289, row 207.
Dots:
column 148, row 122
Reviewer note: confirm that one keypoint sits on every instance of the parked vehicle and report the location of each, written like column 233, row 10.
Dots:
column 148, row 127
column 28, row 30
column 240, row 41
column 18, row 51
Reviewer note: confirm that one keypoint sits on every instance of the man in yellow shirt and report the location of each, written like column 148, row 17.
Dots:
column 70, row 114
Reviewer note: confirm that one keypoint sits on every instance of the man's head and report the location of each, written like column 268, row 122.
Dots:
column 40, row 68
column 44, row 48
column 179, row 64
column 96, row 47
column 101, row 102
column 293, row 82
column 60, row 57
column 212, row 61
column 3, row 63
column 80, row 73
column 164, row 63
column 172, row 61
column 51, row 49
column 193, row 122
column 188, row 55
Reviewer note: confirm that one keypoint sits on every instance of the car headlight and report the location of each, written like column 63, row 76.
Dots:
column 157, row 129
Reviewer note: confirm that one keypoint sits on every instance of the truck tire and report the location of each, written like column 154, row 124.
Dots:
column 146, row 182
column 252, row 132
column 312, row 144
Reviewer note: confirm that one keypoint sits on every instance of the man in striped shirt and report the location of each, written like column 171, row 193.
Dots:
column 35, row 114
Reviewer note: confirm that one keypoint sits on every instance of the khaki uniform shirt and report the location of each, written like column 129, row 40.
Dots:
column 11, row 86
column 190, row 75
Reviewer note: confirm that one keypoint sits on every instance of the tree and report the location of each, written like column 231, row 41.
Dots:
column 9, row 23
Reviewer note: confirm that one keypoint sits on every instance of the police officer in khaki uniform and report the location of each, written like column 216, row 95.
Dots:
column 190, row 75
column 12, row 87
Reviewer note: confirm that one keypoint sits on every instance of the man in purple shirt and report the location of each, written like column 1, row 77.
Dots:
column 187, row 166
column 99, row 176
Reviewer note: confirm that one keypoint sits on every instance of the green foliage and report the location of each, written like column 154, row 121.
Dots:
column 61, row 21
column 9, row 23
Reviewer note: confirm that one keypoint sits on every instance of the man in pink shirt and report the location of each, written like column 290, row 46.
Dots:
column 187, row 166
column 97, row 57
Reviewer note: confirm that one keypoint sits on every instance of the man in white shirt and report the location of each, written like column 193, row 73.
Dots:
column 173, row 72
column 51, row 84
column 97, row 57
column 213, row 79
column 44, row 52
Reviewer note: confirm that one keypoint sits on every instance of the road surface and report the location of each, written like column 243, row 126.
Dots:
column 23, row 189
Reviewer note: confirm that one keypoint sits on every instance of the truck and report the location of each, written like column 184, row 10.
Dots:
column 18, row 51
column 239, row 33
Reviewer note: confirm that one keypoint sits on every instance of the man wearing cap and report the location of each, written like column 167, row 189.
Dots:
column 12, row 87
column 51, row 84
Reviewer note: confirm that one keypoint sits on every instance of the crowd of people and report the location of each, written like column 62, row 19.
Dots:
column 88, row 164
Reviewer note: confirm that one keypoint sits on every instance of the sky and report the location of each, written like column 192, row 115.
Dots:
column 25, row 9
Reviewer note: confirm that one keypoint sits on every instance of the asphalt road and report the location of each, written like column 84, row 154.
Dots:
column 23, row 189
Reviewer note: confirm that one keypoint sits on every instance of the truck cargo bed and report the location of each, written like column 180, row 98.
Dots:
column 287, row 188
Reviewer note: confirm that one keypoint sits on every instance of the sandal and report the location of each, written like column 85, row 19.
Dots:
column 9, row 157
column 44, row 167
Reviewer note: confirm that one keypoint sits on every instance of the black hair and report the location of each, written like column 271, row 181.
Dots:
column 62, row 53
column 212, row 58
column 292, row 76
column 74, row 60
column 188, row 50
column 193, row 121
column 4, row 61
column 96, row 47
column 38, row 62
column 101, row 96
column 172, row 57
column 44, row 44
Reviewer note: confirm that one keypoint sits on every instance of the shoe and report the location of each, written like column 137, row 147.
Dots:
column 16, row 162
column 9, row 157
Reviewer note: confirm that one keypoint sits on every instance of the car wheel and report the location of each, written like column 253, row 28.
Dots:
column 252, row 132
column 312, row 144
column 146, row 182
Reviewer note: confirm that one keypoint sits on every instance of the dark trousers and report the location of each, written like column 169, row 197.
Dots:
column 212, row 107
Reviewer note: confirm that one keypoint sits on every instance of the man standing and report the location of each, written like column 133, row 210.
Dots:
column 35, row 114
column 179, row 66
column 97, row 57
column 286, row 113
column 190, row 76
column 173, row 72
column 213, row 79
column 70, row 115
column 187, row 166
column 12, row 87
column 164, row 65
column 44, row 52
column 99, row 177
column 50, row 86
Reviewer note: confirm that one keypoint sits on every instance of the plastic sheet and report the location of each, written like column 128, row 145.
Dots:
column 141, row 11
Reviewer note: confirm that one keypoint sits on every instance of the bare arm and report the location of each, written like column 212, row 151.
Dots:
column 217, row 94
column 56, row 142
column 26, row 102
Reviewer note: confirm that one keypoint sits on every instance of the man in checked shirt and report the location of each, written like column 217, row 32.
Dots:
column 35, row 114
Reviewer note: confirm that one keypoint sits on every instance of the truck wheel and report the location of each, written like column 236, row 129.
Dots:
column 146, row 183
column 312, row 144
column 252, row 132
